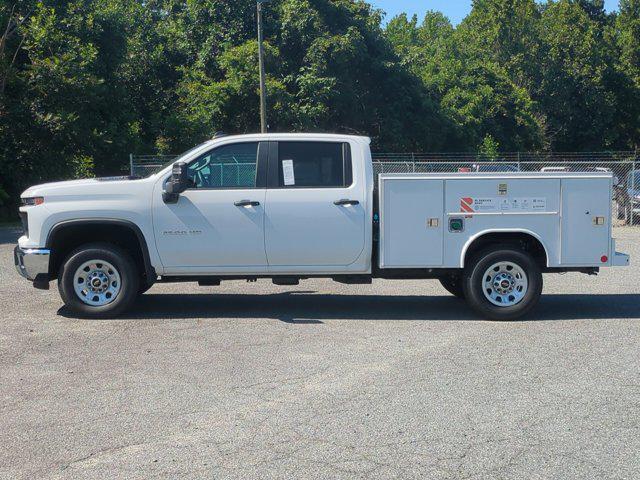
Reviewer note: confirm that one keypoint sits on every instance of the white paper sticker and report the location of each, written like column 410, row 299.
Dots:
column 288, row 173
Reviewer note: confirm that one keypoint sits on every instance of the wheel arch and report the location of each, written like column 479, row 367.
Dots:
column 525, row 239
column 67, row 235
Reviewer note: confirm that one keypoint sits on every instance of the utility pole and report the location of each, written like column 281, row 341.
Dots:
column 263, row 85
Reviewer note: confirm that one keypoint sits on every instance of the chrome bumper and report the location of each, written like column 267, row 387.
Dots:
column 32, row 264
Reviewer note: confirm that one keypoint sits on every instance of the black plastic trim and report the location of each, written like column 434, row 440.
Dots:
column 41, row 282
column 263, row 164
column 273, row 174
column 150, row 272
column 24, row 218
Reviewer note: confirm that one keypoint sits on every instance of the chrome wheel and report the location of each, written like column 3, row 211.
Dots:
column 97, row 283
column 505, row 284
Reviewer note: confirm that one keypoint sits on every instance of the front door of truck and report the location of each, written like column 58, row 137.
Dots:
column 315, row 209
column 217, row 225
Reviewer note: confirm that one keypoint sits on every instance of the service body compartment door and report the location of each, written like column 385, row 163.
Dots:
column 586, row 221
column 411, row 223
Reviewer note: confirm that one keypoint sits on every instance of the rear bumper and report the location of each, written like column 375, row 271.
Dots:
column 32, row 264
column 620, row 260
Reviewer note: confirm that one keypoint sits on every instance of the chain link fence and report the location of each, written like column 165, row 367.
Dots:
column 625, row 167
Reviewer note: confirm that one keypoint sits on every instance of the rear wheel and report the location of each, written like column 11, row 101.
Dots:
column 453, row 285
column 98, row 281
column 503, row 284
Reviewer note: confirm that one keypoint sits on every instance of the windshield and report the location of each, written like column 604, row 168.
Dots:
column 186, row 154
column 146, row 166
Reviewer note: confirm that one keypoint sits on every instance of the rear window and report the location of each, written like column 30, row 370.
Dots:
column 314, row 165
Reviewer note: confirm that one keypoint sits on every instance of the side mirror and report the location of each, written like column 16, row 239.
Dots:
column 178, row 183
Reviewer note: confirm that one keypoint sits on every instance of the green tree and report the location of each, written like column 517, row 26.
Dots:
column 475, row 93
column 574, row 69
column 625, row 35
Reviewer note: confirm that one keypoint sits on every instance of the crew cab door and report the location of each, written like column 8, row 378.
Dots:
column 315, row 209
column 217, row 225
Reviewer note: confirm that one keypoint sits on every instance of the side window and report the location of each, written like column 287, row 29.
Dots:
column 229, row 166
column 314, row 165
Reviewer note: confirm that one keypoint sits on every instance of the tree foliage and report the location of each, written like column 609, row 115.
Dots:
column 83, row 83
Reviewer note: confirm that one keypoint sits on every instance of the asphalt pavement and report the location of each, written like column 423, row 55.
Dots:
column 323, row 381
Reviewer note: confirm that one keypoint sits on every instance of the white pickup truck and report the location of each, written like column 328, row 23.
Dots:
column 295, row 206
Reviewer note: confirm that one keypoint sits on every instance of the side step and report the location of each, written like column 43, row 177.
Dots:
column 354, row 279
column 286, row 281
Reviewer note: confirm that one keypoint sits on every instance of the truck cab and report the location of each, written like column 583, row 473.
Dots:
column 294, row 206
column 280, row 204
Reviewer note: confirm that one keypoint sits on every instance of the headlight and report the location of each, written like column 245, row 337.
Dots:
column 32, row 201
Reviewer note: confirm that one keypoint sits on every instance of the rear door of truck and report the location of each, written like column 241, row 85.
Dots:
column 315, row 205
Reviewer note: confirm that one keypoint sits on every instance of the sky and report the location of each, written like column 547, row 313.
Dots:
column 456, row 10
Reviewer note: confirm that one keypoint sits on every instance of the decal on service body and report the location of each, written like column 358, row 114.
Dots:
column 497, row 204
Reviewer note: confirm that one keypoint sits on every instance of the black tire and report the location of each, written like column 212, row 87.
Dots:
column 473, row 283
column 115, row 256
column 453, row 285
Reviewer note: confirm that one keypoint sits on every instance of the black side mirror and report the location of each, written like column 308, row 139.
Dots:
column 178, row 183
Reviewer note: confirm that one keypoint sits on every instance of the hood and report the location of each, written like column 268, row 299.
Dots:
column 89, row 184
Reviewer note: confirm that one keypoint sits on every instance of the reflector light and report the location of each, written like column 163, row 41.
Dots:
column 32, row 201
column 604, row 259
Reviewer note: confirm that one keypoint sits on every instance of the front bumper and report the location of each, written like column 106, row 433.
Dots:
column 32, row 263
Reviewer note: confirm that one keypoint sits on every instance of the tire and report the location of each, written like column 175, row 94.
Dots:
column 98, row 280
column 519, row 289
column 453, row 285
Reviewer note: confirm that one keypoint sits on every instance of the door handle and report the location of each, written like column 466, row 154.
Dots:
column 345, row 203
column 246, row 203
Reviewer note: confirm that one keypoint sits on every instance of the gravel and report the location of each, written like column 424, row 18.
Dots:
column 393, row 380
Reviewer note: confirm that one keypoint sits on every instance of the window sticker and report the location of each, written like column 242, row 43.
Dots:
column 288, row 173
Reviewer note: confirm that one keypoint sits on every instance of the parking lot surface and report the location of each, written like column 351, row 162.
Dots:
column 393, row 380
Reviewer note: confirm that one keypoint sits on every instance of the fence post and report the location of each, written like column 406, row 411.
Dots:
column 519, row 166
column 413, row 160
column 633, row 174
column 131, row 164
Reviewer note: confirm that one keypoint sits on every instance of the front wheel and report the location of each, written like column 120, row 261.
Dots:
column 503, row 284
column 98, row 280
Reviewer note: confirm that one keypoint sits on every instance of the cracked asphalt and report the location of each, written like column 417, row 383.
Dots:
column 394, row 380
